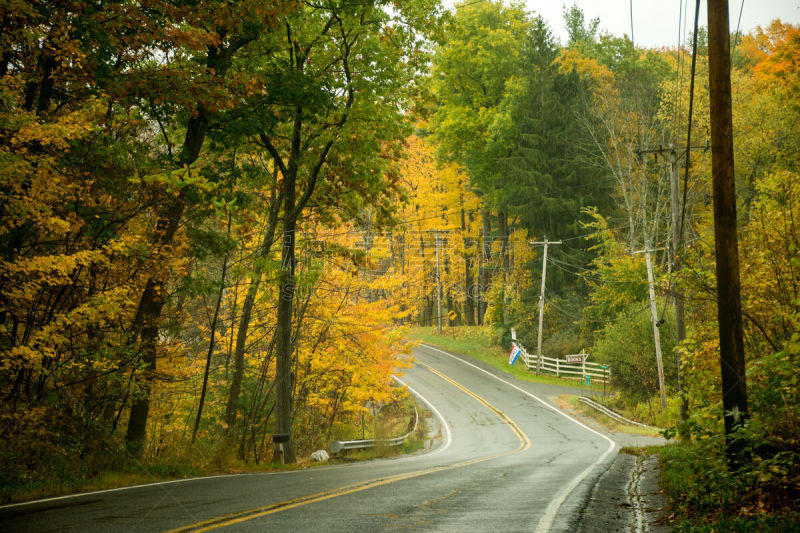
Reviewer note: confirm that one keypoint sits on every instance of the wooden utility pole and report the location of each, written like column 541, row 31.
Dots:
column 541, row 302
column 656, row 325
column 729, row 302
column 438, row 288
column 677, row 297
column 674, row 250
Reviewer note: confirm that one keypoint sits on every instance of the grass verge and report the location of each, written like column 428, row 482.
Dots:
column 128, row 473
column 474, row 341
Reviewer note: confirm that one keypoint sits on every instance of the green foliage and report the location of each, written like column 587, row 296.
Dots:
column 706, row 496
column 537, row 126
column 579, row 31
column 626, row 345
column 471, row 71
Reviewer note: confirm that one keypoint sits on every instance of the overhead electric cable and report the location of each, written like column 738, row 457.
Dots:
column 736, row 38
column 689, row 131
column 633, row 43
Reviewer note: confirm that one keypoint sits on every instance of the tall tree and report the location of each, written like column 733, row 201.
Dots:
column 211, row 91
column 544, row 176
column 471, row 75
column 330, row 121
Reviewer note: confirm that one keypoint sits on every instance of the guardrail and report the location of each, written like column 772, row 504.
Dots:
column 562, row 368
column 338, row 446
column 616, row 416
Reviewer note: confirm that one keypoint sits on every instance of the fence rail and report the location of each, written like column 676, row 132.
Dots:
column 560, row 367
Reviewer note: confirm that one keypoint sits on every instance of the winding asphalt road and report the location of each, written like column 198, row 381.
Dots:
column 506, row 461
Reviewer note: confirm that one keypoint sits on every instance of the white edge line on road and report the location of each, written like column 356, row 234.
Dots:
column 448, row 435
column 546, row 522
column 118, row 489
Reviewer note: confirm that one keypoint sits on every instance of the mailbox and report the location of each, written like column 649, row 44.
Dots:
column 278, row 438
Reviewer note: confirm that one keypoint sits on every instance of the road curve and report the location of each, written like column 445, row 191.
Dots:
column 507, row 461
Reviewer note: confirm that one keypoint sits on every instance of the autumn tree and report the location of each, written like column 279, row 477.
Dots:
column 234, row 27
column 329, row 120
column 441, row 206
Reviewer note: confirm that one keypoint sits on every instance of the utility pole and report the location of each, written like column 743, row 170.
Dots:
column 729, row 302
column 545, row 242
column 654, row 316
column 676, row 248
column 677, row 297
column 480, row 283
column 438, row 288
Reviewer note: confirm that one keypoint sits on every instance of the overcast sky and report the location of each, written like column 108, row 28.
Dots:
column 655, row 22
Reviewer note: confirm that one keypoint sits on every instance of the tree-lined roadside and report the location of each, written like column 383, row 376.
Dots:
column 219, row 220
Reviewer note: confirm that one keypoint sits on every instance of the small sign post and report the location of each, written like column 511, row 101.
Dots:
column 452, row 316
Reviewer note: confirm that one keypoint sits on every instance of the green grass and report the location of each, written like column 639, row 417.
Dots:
column 133, row 472
column 75, row 482
column 474, row 342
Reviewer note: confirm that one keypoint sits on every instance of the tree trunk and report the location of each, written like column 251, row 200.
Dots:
column 247, row 312
column 148, row 314
column 147, row 322
column 486, row 256
column 212, row 339
column 283, row 356
column 469, row 283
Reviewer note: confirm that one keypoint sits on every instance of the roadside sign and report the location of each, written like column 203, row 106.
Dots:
column 575, row 358
column 512, row 357
column 513, row 334
column 452, row 315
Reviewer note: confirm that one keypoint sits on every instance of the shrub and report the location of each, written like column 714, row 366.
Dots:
column 626, row 345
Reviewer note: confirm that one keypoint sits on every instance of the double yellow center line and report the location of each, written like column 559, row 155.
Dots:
column 258, row 512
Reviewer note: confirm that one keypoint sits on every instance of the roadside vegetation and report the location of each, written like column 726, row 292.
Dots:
column 393, row 420
column 379, row 421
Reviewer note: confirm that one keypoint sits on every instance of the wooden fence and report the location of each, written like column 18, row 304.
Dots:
column 561, row 368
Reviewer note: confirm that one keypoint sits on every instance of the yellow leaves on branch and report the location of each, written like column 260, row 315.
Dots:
column 589, row 69
column 60, row 132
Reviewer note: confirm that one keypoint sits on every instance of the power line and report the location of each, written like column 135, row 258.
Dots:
column 633, row 43
column 689, row 130
column 736, row 39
